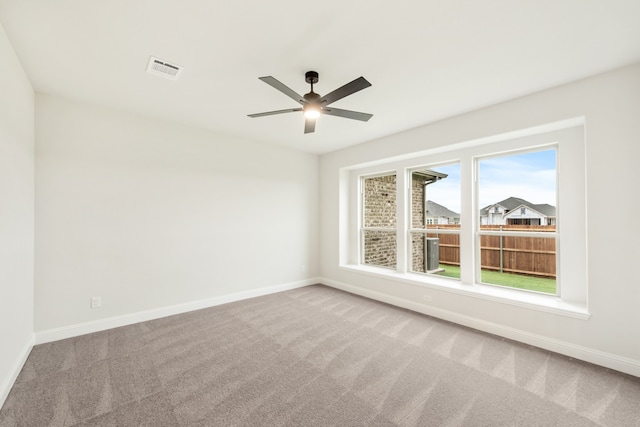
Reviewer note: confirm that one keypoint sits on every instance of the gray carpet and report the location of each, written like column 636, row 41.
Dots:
column 314, row 356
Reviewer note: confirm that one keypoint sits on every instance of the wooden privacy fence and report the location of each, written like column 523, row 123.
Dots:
column 535, row 256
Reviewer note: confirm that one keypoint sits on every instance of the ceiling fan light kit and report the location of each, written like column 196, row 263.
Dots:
column 311, row 111
column 313, row 104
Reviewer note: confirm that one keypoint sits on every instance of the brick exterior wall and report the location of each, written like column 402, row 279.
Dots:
column 380, row 248
column 380, row 211
column 380, row 201
column 417, row 221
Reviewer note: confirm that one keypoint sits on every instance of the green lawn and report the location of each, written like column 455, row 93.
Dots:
column 518, row 281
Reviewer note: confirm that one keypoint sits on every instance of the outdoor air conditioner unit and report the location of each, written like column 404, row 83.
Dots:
column 431, row 254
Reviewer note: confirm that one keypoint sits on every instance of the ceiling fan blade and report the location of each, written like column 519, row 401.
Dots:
column 348, row 114
column 283, row 88
column 271, row 113
column 309, row 125
column 346, row 90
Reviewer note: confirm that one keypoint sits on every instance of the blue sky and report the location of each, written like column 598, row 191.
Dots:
column 447, row 191
column 530, row 176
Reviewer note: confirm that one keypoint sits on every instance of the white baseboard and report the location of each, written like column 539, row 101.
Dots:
column 609, row 360
column 143, row 316
column 7, row 383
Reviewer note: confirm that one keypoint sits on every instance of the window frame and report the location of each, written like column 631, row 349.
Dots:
column 571, row 267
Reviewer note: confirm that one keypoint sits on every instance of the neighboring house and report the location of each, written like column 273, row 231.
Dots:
column 516, row 211
column 438, row 214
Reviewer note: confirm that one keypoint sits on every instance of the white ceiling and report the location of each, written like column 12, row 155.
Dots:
column 427, row 60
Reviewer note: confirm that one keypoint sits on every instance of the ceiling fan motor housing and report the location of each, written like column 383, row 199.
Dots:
column 311, row 77
column 312, row 97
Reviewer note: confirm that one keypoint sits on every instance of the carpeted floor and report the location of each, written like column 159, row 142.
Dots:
column 314, row 356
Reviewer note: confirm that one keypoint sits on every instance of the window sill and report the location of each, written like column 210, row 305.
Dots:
column 534, row 301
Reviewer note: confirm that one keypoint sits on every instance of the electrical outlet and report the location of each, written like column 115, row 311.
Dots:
column 96, row 302
column 427, row 298
column 303, row 268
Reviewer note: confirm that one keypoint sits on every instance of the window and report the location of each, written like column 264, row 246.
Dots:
column 379, row 245
column 481, row 218
column 435, row 220
column 518, row 250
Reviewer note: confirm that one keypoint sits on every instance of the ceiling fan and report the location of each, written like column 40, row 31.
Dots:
column 313, row 104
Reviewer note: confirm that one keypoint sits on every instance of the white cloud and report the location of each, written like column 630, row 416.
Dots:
column 528, row 176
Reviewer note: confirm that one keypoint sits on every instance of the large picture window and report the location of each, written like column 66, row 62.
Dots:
column 516, row 235
column 480, row 218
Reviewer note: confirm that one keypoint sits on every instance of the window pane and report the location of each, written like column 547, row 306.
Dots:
column 435, row 203
column 435, row 196
column 436, row 253
column 380, row 201
column 519, row 262
column 518, row 193
column 518, row 189
column 379, row 211
column 380, row 248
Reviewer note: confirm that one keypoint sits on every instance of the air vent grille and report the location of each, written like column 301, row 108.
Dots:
column 164, row 69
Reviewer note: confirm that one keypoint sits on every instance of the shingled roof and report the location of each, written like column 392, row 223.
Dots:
column 435, row 210
column 514, row 202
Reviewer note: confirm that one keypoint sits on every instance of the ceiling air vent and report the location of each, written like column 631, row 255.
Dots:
column 164, row 69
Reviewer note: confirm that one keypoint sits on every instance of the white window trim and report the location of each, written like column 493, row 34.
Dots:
column 434, row 230
column 567, row 138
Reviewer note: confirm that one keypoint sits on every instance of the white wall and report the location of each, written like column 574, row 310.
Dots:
column 610, row 104
column 148, row 214
column 16, row 215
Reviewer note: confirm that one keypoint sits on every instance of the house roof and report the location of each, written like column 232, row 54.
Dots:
column 435, row 210
column 471, row 55
column 512, row 203
column 430, row 176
